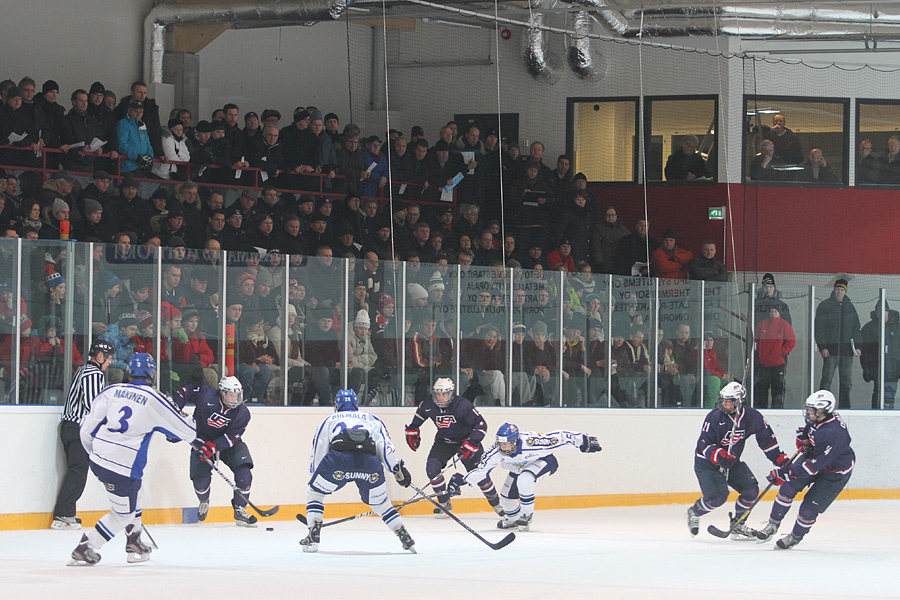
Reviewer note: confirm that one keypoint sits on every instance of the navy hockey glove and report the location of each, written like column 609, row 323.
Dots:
column 401, row 474
column 467, row 450
column 804, row 444
column 413, row 438
column 781, row 459
column 590, row 444
column 779, row 476
column 722, row 458
column 455, row 484
column 207, row 450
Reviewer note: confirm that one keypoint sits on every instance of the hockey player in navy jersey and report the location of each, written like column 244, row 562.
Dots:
column 221, row 420
column 826, row 468
column 717, row 460
column 116, row 435
column 460, row 430
column 529, row 458
column 352, row 446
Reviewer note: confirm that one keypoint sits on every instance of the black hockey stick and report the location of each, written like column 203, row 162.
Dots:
column 302, row 518
column 261, row 512
column 724, row 534
column 152, row 541
column 494, row 546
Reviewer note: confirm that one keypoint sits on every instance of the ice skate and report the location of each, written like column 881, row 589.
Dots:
column 311, row 542
column 741, row 532
column 787, row 542
column 83, row 555
column 406, row 540
column 766, row 533
column 65, row 523
column 242, row 518
column 202, row 510
column 136, row 550
column 499, row 510
column 440, row 514
column 693, row 521
column 524, row 522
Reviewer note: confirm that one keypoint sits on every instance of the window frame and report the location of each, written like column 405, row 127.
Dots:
column 648, row 136
column 570, row 134
column 860, row 136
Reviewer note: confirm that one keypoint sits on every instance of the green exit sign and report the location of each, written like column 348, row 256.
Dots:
column 717, row 213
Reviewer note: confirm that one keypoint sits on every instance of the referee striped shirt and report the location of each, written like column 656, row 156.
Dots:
column 88, row 382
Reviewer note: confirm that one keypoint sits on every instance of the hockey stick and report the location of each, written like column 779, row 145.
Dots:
column 302, row 518
column 152, row 541
column 724, row 534
column 494, row 546
column 261, row 512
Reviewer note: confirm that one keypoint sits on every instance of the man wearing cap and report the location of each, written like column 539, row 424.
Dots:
column 361, row 356
column 265, row 152
column 444, row 166
column 300, row 151
column 127, row 209
column 15, row 119
column 562, row 255
column 91, row 226
column 669, row 261
column 98, row 189
column 351, row 164
column 150, row 115
column 767, row 297
column 837, row 339
column 134, row 140
column 59, row 186
column 105, row 118
column 120, row 336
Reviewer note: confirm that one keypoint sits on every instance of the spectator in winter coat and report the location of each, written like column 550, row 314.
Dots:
column 706, row 267
column 774, row 339
column 716, row 376
column 669, row 261
column 605, row 236
column 767, row 297
column 836, row 333
column 361, row 355
column 870, row 354
column 175, row 149
column 134, row 141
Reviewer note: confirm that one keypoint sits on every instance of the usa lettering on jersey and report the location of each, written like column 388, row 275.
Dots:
column 444, row 421
column 217, row 421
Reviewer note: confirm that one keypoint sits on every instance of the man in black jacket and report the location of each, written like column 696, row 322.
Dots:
column 837, row 334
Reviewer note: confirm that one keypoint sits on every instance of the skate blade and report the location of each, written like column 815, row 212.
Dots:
column 524, row 527
column 310, row 548
column 80, row 563
column 137, row 558
column 243, row 524
column 59, row 525
column 742, row 538
column 412, row 549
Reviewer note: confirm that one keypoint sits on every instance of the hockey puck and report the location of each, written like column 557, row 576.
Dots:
column 270, row 529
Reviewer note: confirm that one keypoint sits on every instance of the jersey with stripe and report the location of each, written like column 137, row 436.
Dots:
column 117, row 432
column 87, row 383
column 831, row 449
column 717, row 433
column 334, row 426
column 216, row 423
column 459, row 422
column 532, row 446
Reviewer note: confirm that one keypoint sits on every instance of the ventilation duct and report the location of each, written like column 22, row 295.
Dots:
column 536, row 62
column 578, row 54
column 247, row 14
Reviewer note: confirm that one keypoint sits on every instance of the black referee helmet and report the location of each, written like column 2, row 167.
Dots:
column 101, row 346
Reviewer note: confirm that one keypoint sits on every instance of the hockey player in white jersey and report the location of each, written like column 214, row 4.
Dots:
column 352, row 446
column 529, row 458
column 116, row 435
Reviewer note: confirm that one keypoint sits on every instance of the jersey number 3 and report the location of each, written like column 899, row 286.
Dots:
column 126, row 413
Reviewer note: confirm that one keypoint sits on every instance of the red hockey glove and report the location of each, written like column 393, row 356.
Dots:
column 207, row 450
column 779, row 476
column 781, row 459
column 413, row 438
column 467, row 450
column 722, row 458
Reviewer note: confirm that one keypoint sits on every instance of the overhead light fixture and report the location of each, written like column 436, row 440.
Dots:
column 450, row 23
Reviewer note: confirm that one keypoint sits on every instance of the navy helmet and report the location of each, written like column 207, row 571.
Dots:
column 142, row 365
column 508, row 433
column 346, row 400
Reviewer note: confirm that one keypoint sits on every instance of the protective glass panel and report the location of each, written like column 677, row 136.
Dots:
column 632, row 319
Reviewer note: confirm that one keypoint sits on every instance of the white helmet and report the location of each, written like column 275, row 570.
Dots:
column 734, row 392
column 442, row 392
column 822, row 404
column 231, row 392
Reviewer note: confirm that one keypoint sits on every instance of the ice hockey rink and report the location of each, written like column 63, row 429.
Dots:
column 615, row 553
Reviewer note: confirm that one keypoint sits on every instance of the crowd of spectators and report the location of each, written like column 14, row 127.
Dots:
column 307, row 191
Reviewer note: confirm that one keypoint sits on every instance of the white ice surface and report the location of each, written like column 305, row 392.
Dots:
column 610, row 553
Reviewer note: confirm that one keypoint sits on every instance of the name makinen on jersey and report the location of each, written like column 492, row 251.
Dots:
column 134, row 396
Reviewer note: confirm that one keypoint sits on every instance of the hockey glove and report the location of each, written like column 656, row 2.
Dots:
column 145, row 160
column 804, row 444
column 413, row 438
column 455, row 484
column 590, row 444
column 467, row 450
column 401, row 474
column 207, row 450
column 781, row 459
column 722, row 458
column 779, row 476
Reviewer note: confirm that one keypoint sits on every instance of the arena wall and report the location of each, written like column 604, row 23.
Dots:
column 647, row 458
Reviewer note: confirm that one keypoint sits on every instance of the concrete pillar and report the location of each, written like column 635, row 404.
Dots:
column 182, row 69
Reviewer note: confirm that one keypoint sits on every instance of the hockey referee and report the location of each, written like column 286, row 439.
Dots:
column 88, row 382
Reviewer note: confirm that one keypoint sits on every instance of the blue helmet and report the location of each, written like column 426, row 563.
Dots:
column 142, row 365
column 346, row 400
column 508, row 433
